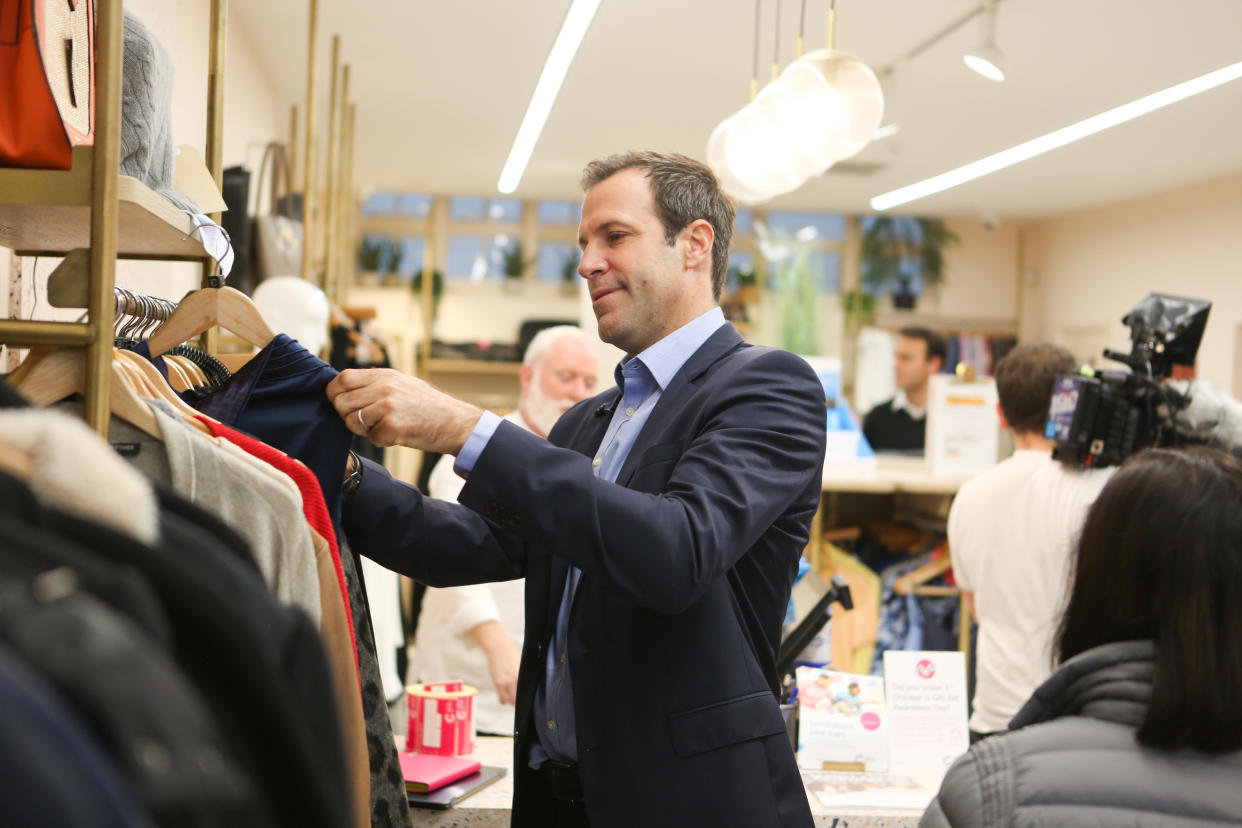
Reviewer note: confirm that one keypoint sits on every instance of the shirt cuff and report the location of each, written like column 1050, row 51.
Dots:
column 475, row 443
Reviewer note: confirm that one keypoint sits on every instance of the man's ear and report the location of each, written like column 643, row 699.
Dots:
column 524, row 376
column 1004, row 424
column 698, row 237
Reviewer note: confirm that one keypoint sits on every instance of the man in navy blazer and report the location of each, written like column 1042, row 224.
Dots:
column 658, row 528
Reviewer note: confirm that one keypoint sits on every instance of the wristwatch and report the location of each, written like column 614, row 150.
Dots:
column 352, row 478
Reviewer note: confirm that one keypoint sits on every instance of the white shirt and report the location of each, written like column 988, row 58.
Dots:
column 443, row 648
column 1012, row 532
column 902, row 403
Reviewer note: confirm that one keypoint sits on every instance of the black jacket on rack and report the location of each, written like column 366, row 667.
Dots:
column 259, row 667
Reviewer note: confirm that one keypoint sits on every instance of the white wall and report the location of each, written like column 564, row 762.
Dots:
column 1094, row 265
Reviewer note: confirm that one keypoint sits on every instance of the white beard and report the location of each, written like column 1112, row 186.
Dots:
column 542, row 411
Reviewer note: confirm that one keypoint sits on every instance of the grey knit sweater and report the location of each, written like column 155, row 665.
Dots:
column 146, row 113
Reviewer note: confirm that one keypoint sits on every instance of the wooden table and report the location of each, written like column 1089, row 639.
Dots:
column 490, row 807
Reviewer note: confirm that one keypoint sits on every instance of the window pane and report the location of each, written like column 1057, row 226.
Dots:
column 824, row 267
column 410, row 261
column 828, row 226
column 380, row 204
column 741, row 264
column 466, row 209
column 554, row 258
column 415, row 205
column 561, row 213
column 477, row 258
column 504, row 209
column 904, row 269
column 463, row 253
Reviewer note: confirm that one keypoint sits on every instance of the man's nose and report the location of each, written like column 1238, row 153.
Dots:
column 591, row 263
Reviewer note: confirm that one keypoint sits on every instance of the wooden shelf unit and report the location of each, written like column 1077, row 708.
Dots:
column 473, row 366
column 47, row 212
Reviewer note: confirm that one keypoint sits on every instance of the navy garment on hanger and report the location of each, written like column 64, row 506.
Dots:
column 52, row 771
column 278, row 397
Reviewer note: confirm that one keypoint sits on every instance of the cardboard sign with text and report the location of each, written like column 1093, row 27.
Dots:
column 963, row 427
column 926, row 693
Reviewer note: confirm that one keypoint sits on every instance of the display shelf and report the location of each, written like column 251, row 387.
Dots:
column 472, row 366
column 47, row 212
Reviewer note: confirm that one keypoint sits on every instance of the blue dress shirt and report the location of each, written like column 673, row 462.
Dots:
column 642, row 379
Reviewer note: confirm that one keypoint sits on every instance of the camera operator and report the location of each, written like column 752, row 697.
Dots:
column 1011, row 532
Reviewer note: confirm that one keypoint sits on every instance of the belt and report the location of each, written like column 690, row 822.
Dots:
column 563, row 780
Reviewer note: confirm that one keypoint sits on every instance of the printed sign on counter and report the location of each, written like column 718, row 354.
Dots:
column 841, row 720
column 963, row 427
column 926, row 709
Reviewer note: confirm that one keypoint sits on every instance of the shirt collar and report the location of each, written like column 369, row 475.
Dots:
column 902, row 402
column 664, row 359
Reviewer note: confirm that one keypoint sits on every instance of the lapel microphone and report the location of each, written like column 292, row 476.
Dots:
column 607, row 408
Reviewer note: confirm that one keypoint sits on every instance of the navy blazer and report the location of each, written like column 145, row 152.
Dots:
column 687, row 561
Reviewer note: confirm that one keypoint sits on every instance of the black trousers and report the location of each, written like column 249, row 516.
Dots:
column 558, row 794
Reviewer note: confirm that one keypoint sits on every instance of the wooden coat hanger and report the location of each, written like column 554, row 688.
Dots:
column 192, row 371
column 227, row 307
column 61, row 373
column 177, row 376
column 913, row 583
column 14, row 462
column 156, row 388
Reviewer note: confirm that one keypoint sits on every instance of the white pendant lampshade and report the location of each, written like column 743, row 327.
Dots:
column 823, row 108
column 840, row 104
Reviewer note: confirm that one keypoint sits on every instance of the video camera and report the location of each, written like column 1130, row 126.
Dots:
column 1099, row 418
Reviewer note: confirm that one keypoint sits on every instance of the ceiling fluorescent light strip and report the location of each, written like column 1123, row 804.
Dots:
column 1058, row 138
column 577, row 21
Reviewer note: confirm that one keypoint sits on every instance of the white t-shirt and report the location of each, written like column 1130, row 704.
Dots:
column 443, row 648
column 1012, row 533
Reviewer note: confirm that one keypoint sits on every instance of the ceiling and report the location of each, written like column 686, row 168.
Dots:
column 441, row 86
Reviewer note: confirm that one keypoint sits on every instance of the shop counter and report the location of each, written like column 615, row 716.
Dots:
column 489, row 808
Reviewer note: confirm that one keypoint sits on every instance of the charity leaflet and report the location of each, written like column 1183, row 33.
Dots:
column 841, row 720
column 838, row 790
column 926, row 694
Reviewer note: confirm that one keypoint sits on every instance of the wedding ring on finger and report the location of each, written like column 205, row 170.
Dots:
column 361, row 421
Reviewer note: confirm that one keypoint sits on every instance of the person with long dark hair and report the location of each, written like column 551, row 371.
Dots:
column 1141, row 724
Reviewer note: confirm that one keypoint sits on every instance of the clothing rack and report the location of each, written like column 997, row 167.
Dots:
column 142, row 307
column 43, row 212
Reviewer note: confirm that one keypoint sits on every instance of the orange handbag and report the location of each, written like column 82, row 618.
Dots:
column 47, row 81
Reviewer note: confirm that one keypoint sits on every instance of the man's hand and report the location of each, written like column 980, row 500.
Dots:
column 502, row 658
column 390, row 408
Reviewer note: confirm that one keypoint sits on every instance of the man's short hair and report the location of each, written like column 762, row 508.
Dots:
column 936, row 344
column 543, row 341
column 1024, row 380
column 684, row 190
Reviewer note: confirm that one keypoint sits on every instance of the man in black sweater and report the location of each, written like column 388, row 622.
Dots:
column 900, row 424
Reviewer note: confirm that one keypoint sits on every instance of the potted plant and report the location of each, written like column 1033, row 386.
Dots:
column 514, row 263
column 896, row 248
column 569, row 275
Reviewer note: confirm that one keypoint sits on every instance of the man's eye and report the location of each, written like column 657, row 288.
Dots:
column 615, row 237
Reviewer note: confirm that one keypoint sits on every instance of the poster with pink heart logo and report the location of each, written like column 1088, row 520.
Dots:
column 926, row 693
